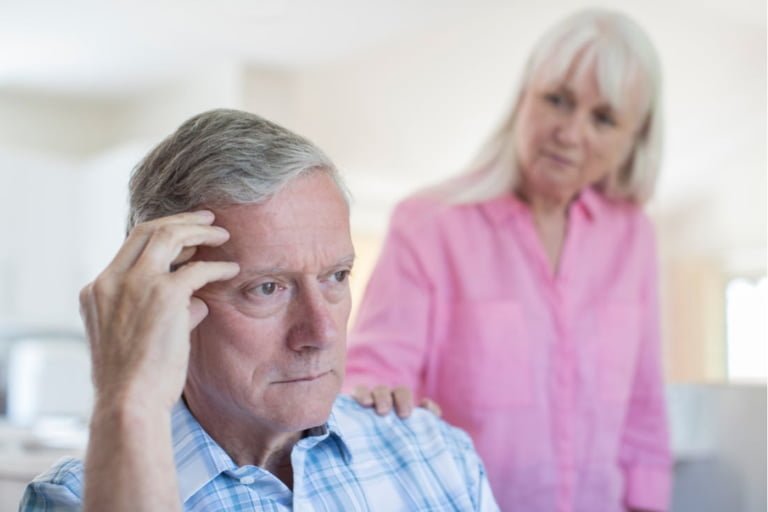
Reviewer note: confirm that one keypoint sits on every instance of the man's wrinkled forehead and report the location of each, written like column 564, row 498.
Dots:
column 293, row 230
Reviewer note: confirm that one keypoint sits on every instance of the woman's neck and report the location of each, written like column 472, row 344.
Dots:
column 550, row 218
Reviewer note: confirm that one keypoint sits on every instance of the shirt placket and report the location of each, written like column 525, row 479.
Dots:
column 558, row 288
column 564, row 401
column 567, row 364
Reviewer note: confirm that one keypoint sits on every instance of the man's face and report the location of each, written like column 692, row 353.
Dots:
column 271, row 351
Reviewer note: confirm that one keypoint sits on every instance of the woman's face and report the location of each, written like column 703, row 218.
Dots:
column 568, row 135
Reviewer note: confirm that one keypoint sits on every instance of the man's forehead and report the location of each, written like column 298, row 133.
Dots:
column 280, row 252
column 313, row 198
column 293, row 224
column 307, row 221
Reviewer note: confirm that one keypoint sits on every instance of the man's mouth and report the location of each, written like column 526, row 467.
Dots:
column 306, row 378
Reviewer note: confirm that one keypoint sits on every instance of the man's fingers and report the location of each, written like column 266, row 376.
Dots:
column 382, row 399
column 431, row 405
column 197, row 274
column 137, row 239
column 403, row 399
column 198, row 310
column 363, row 396
column 168, row 241
column 184, row 256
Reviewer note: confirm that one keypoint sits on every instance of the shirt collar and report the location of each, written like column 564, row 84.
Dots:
column 199, row 459
column 334, row 428
column 591, row 201
column 330, row 430
column 502, row 208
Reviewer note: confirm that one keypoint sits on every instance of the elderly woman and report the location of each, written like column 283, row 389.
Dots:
column 522, row 297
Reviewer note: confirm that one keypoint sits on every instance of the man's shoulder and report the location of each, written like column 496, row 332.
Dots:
column 363, row 430
column 58, row 488
column 420, row 460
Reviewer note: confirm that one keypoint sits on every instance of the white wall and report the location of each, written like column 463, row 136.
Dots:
column 64, row 168
column 403, row 115
column 412, row 113
column 36, row 248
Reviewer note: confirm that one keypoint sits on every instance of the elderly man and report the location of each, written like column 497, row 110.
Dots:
column 239, row 231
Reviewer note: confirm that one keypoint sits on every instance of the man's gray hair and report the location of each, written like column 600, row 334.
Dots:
column 219, row 158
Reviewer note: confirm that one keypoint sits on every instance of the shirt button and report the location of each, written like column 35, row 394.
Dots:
column 247, row 480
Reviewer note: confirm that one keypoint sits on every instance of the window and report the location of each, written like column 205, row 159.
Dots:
column 746, row 302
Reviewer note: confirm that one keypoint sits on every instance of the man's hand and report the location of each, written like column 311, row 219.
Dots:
column 138, row 313
column 382, row 398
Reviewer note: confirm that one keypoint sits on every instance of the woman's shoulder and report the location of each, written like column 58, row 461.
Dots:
column 625, row 216
column 419, row 206
column 421, row 213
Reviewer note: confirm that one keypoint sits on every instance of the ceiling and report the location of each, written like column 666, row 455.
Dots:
column 115, row 47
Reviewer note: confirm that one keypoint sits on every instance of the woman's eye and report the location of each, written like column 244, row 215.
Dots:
column 555, row 99
column 341, row 275
column 605, row 118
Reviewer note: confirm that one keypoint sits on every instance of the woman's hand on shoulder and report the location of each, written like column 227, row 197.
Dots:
column 384, row 398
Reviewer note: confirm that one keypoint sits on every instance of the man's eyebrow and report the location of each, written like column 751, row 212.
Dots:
column 346, row 261
column 261, row 271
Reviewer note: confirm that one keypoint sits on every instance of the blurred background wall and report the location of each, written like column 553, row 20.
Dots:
column 400, row 94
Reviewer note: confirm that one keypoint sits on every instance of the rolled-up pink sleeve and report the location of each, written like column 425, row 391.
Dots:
column 388, row 342
column 645, row 454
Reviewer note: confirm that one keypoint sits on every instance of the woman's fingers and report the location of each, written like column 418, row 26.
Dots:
column 363, row 396
column 382, row 398
column 431, row 405
column 403, row 399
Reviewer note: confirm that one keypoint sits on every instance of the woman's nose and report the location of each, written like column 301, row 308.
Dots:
column 570, row 129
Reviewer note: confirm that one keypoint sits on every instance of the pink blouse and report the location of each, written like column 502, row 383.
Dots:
column 556, row 377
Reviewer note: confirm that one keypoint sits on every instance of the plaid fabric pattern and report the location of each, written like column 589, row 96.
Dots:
column 357, row 461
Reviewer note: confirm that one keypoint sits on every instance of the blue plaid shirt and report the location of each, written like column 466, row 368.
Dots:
column 357, row 461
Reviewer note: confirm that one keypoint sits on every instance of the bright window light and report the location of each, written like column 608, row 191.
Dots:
column 747, row 333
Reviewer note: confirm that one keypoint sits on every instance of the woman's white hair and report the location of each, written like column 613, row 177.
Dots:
column 622, row 54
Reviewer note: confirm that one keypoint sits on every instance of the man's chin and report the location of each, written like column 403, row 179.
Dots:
column 307, row 408
column 306, row 417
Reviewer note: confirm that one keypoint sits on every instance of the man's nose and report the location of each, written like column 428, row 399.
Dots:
column 314, row 325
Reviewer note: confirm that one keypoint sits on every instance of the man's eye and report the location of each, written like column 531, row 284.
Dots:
column 341, row 275
column 266, row 288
